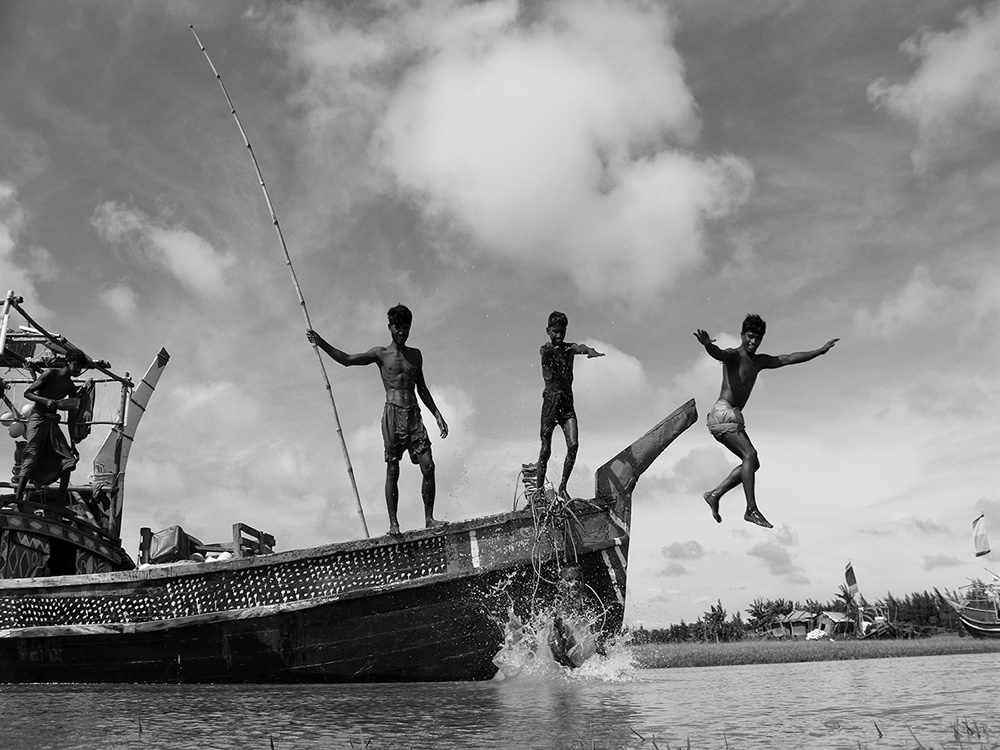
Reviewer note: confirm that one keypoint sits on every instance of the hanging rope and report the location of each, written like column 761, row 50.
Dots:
column 295, row 281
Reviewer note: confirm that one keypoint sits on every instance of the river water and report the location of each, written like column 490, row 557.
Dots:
column 931, row 702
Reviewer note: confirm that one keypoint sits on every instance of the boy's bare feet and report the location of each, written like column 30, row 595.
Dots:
column 755, row 516
column 393, row 530
column 713, row 503
column 433, row 523
column 564, row 494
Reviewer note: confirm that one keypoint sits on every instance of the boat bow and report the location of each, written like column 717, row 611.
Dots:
column 617, row 478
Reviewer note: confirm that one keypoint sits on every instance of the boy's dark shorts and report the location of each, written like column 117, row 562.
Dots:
column 557, row 409
column 403, row 430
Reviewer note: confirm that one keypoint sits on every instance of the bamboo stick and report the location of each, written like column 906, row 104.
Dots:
column 5, row 319
column 295, row 281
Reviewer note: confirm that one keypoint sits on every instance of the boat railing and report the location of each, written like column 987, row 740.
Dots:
column 173, row 544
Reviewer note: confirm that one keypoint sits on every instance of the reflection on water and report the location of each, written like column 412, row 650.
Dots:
column 822, row 705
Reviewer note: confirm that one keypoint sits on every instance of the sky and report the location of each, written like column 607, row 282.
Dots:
column 648, row 168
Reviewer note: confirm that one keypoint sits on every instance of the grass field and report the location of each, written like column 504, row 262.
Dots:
column 665, row 655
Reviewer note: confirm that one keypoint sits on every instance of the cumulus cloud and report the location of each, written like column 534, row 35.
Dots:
column 608, row 381
column 121, row 299
column 186, row 256
column 929, row 526
column 933, row 562
column 690, row 550
column 953, row 98
column 674, row 569
column 778, row 561
column 19, row 270
column 919, row 300
column 559, row 134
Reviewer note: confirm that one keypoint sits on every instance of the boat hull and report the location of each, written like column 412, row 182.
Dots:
column 428, row 605
column 431, row 606
column 980, row 619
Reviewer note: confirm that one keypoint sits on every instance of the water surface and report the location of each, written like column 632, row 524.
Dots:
column 818, row 705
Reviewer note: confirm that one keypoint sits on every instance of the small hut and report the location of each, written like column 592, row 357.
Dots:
column 834, row 623
column 793, row 625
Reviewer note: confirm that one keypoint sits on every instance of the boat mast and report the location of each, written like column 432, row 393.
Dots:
column 295, row 281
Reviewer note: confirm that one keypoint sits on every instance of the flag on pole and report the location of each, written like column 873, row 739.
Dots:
column 852, row 582
column 982, row 541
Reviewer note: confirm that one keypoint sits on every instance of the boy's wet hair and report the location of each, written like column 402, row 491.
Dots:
column 558, row 320
column 753, row 323
column 399, row 315
column 75, row 355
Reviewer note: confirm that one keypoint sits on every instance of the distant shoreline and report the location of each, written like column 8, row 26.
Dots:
column 773, row 651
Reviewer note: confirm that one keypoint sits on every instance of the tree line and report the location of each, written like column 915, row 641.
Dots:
column 920, row 613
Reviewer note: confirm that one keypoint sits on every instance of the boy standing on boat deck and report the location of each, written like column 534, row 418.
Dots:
column 402, row 371
column 47, row 455
column 725, row 420
column 557, row 398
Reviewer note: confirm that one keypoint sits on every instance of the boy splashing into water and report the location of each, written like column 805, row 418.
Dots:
column 557, row 398
column 725, row 420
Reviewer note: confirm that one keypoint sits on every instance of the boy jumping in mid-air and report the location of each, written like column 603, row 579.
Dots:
column 557, row 398
column 725, row 420
column 402, row 371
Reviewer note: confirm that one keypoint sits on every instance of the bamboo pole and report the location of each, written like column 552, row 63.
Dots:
column 5, row 319
column 295, row 281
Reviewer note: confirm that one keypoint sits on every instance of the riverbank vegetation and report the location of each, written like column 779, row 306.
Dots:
column 915, row 615
column 777, row 651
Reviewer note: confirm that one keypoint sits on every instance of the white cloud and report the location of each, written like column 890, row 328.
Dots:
column 558, row 134
column 121, row 299
column 604, row 382
column 188, row 257
column 919, row 300
column 778, row 561
column 953, row 98
column 690, row 550
column 17, row 271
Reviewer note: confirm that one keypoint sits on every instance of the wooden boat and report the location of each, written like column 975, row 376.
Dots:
column 978, row 604
column 978, row 609
column 426, row 605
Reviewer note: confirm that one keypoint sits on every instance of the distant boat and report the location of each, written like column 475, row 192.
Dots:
column 426, row 605
column 979, row 609
column 978, row 606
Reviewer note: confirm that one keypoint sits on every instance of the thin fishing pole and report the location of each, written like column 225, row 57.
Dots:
column 295, row 281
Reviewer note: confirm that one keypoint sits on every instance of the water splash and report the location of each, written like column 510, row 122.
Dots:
column 558, row 645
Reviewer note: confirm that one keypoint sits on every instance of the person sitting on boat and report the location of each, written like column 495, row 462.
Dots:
column 402, row 371
column 557, row 397
column 47, row 454
column 725, row 420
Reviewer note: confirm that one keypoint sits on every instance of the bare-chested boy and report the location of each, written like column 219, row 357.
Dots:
column 47, row 454
column 725, row 420
column 557, row 398
column 402, row 371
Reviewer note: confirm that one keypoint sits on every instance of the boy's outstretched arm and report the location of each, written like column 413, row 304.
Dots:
column 589, row 351
column 710, row 346
column 365, row 358
column 797, row 358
